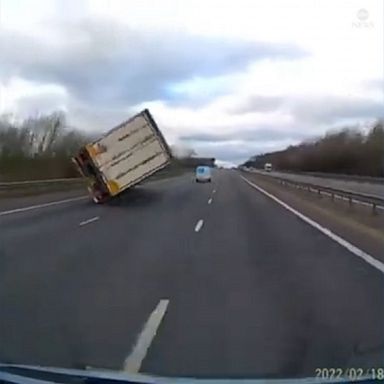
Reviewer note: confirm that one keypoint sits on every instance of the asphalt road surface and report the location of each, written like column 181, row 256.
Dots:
column 183, row 279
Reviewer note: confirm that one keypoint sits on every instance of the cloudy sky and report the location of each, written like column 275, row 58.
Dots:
column 229, row 78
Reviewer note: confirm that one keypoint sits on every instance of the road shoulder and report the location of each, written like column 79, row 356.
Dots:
column 355, row 224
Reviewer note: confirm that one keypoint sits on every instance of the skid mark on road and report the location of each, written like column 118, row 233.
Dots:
column 133, row 362
column 344, row 243
column 85, row 222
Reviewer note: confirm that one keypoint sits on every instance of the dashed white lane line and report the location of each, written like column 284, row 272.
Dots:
column 214, row 191
column 210, row 201
column 30, row 208
column 199, row 225
column 133, row 362
column 344, row 243
column 85, row 222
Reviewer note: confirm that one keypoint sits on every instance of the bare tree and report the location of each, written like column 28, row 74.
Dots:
column 38, row 147
column 347, row 151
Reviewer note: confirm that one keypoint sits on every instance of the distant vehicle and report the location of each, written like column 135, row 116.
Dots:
column 123, row 157
column 268, row 167
column 203, row 174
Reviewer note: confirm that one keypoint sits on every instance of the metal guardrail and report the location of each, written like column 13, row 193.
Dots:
column 339, row 176
column 351, row 196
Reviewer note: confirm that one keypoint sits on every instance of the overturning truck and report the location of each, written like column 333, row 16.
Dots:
column 123, row 157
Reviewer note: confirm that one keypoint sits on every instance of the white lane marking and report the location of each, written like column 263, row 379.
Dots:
column 85, row 222
column 352, row 248
column 210, row 201
column 199, row 225
column 133, row 362
column 30, row 208
column 214, row 191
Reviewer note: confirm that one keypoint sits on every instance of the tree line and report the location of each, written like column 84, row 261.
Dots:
column 346, row 151
column 38, row 147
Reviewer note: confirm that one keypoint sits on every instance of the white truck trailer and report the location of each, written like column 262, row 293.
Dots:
column 123, row 157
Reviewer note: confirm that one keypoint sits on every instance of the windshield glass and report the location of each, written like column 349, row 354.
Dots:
column 193, row 188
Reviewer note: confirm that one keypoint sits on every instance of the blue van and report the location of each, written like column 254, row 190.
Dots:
column 203, row 173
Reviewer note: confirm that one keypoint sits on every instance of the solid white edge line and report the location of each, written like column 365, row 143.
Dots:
column 210, row 201
column 199, row 225
column 132, row 363
column 350, row 247
column 85, row 222
column 17, row 210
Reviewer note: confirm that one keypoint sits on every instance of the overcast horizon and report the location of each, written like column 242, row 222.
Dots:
column 229, row 79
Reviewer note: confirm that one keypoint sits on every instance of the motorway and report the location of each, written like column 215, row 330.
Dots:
column 183, row 279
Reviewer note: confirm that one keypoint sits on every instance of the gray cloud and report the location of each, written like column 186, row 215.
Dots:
column 236, row 152
column 327, row 109
column 238, row 146
column 376, row 84
column 205, row 137
column 256, row 135
column 330, row 109
column 228, row 152
column 41, row 103
column 257, row 103
column 100, row 61
column 314, row 109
